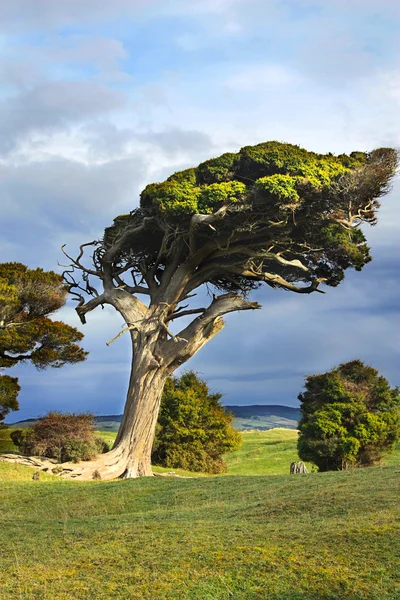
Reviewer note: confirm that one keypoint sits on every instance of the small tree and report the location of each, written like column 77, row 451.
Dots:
column 270, row 214
column 349, row 417
column 63, row 436
column 194, row 430
column 27, row 298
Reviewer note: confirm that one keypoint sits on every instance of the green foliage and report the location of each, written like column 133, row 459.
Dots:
column 187, row 176
column 271, row 158
column 27, row 298
column 216, row 170
column 217, row 194
column 177, row 198
column 194, row 430
column 9, row 389
column 273, row 167
column 63, row 436
column 350, row 417
column 283, row 187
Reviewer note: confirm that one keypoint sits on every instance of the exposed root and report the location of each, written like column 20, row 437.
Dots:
column 111, row 465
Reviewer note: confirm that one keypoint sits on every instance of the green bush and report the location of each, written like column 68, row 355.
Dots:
column 193, row 430
column 66, row 437
column 350, row 418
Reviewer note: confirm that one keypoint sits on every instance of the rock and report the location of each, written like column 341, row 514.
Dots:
column 298, row 467
column 36, row 476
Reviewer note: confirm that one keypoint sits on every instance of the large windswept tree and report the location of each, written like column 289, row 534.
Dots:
column 27, row 335
column 272, row 213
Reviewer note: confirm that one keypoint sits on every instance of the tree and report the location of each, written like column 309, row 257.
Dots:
column 272, row 213
column 193, row 429
column 27, row 298
column 349, row 417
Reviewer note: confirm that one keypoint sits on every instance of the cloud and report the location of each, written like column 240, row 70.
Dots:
column 256, row 77
column 45, row 14
column 53, row 105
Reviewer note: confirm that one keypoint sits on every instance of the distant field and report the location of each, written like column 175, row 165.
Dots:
column 264, row 423
column 264, row 453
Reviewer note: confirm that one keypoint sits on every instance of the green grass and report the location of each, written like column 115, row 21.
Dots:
column 317, row 537
column 264, row 453
column 328, row 536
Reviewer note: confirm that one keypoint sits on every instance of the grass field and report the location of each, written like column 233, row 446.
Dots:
column 328, row 536
column 262, row 453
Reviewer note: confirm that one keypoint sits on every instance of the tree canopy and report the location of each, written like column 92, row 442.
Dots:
column 194, row 430
column 272, row 213
column 27, row 298
column 349, row 417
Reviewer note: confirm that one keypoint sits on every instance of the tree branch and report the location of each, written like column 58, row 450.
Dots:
column 76, row 261
column 83, row 308
column 220, row 306
column 16, row 358
column 184, row 313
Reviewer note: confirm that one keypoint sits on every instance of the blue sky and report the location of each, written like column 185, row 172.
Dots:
column 99, row 98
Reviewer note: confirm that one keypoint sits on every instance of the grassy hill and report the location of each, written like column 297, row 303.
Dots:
column 247, row 536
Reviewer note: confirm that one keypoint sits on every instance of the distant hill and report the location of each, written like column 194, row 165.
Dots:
column 255, row 416
column 263, row 417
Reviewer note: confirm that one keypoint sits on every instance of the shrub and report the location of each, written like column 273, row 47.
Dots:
column 350, row 417
column 193, row 430
column 63, row 436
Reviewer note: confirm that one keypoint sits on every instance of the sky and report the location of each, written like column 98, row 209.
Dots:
column 99, row 98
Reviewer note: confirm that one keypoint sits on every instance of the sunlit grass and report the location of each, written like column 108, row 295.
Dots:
column 325, row 536
column 314, row 537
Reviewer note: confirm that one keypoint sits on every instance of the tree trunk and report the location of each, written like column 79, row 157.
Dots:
column 136, row 433
column 131, row 454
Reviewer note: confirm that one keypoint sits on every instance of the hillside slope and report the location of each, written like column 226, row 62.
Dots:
column 316, row 537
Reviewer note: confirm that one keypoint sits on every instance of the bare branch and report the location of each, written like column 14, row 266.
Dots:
column 76, row 262
column 112, row 252
column 83, row 308
column 175, row 338
column 200, row 219
column 129, row 328
column 184, row 313
column 132, row 289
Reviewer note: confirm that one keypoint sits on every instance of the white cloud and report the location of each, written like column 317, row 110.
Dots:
column 259, row 78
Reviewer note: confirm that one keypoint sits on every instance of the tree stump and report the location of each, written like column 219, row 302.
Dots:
column 298, row 467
